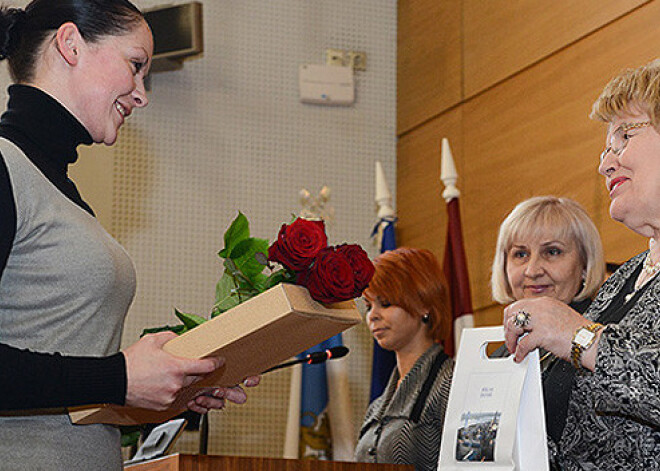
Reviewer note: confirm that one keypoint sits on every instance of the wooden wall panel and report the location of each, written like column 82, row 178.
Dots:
column 502, row 37
column 429, row 59
column 529, row 135
column 488, row 315
column 421, row 209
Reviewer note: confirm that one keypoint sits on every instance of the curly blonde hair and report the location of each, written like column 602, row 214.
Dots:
column 631, row 91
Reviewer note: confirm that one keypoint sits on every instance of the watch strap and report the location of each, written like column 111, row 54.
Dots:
column 577, row 350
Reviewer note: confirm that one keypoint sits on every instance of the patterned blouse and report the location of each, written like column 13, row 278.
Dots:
column 390, row 435
column 614, row 413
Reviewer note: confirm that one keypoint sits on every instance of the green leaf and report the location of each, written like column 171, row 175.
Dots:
column 280, row 276
column 261, row 283
column 238, row 231
column 262, row 258
column 225, row 304
column 189, row 320
column 177, row 329
column 129, row 437
column 224, row 287
column 230, row 266
column 274, row 279
column 237, row 275
column 244, row 256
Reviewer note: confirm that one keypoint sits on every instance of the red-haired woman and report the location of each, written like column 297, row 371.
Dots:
column 408, row 312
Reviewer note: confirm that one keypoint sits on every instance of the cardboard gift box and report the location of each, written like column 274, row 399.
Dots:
column 252, row 337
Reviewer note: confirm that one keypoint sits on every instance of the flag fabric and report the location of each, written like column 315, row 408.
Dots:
column 455, row 269
column 384, row 361
column 320, row 419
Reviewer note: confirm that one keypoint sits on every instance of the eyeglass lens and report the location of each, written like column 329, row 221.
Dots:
column 619, row 139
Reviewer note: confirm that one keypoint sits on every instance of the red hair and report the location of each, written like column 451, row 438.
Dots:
column 413, row 280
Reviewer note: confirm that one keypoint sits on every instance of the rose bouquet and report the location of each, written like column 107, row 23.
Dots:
column 299, row 255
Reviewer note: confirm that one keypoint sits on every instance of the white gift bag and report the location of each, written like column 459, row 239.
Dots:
column 495, row 418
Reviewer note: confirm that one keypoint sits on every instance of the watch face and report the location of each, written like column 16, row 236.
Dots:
column 584, row 337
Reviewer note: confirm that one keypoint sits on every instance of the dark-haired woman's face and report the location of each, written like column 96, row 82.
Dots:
column 112, row 84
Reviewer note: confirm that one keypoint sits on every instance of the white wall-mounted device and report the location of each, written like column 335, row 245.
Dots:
column 326, row 84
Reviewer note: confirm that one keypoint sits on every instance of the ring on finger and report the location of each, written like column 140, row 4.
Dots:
column 521, row 318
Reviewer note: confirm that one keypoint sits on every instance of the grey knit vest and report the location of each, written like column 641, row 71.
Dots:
column 66, row 288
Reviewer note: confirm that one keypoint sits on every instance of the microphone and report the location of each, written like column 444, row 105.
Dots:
column 314, row 357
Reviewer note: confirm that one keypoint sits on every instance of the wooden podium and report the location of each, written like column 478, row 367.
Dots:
column 181, row 462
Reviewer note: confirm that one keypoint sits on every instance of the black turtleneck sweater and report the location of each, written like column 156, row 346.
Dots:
column 49, row 136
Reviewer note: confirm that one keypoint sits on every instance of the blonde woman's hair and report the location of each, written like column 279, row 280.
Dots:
column 632, row 91
column 567, row 220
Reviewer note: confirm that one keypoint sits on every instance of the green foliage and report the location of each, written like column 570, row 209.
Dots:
column 245, row 261
column 177, row 329
column 129, row 436
column 246, row 274
column 238, row 230
column 190, row 321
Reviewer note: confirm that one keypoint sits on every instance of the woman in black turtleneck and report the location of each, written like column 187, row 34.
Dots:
column 82, row 82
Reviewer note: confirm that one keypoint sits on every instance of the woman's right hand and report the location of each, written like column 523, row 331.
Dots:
column 551, row 325
column 155, row 378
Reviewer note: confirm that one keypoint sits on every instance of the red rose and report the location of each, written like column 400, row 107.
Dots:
column 363, row 268
column 330, row 279
column 298, row 243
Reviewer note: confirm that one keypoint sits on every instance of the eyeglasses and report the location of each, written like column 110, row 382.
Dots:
column 620, row 137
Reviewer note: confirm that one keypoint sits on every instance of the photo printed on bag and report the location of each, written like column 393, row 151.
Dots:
column 475, row 441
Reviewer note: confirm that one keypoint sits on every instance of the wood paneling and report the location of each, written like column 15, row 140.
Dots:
column 93, row 175
column 529, row 135
column 488, row 315
column 420, row 206
column 502, row 37
column 429, row 59
column 244, row 463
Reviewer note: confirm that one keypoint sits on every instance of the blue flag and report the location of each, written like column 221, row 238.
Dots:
column 383, row 360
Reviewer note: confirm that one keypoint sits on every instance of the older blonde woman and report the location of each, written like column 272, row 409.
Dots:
column 548, row 246
column 613, row 418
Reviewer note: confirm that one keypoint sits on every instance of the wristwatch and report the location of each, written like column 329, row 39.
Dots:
column 583, row 338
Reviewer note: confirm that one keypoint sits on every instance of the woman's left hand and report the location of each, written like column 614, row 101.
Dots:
column 215, row 398
column 551, row 325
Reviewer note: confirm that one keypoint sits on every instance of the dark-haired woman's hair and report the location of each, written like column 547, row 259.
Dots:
column 23, row 32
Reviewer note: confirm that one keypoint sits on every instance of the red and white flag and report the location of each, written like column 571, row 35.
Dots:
column 455, row 263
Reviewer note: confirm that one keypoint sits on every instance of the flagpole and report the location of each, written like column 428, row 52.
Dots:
column 448, row 173
column 383, row 200
column 292, row 434
column 383, row 361
column 383, row 195
column 455, row 263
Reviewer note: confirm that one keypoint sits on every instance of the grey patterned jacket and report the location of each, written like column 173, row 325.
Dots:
column 614, row 413
column 389, row 436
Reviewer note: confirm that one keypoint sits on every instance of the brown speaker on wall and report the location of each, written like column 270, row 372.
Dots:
column 178, row 34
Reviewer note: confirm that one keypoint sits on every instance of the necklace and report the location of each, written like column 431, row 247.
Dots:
column 649, row 267
column 649, row 270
